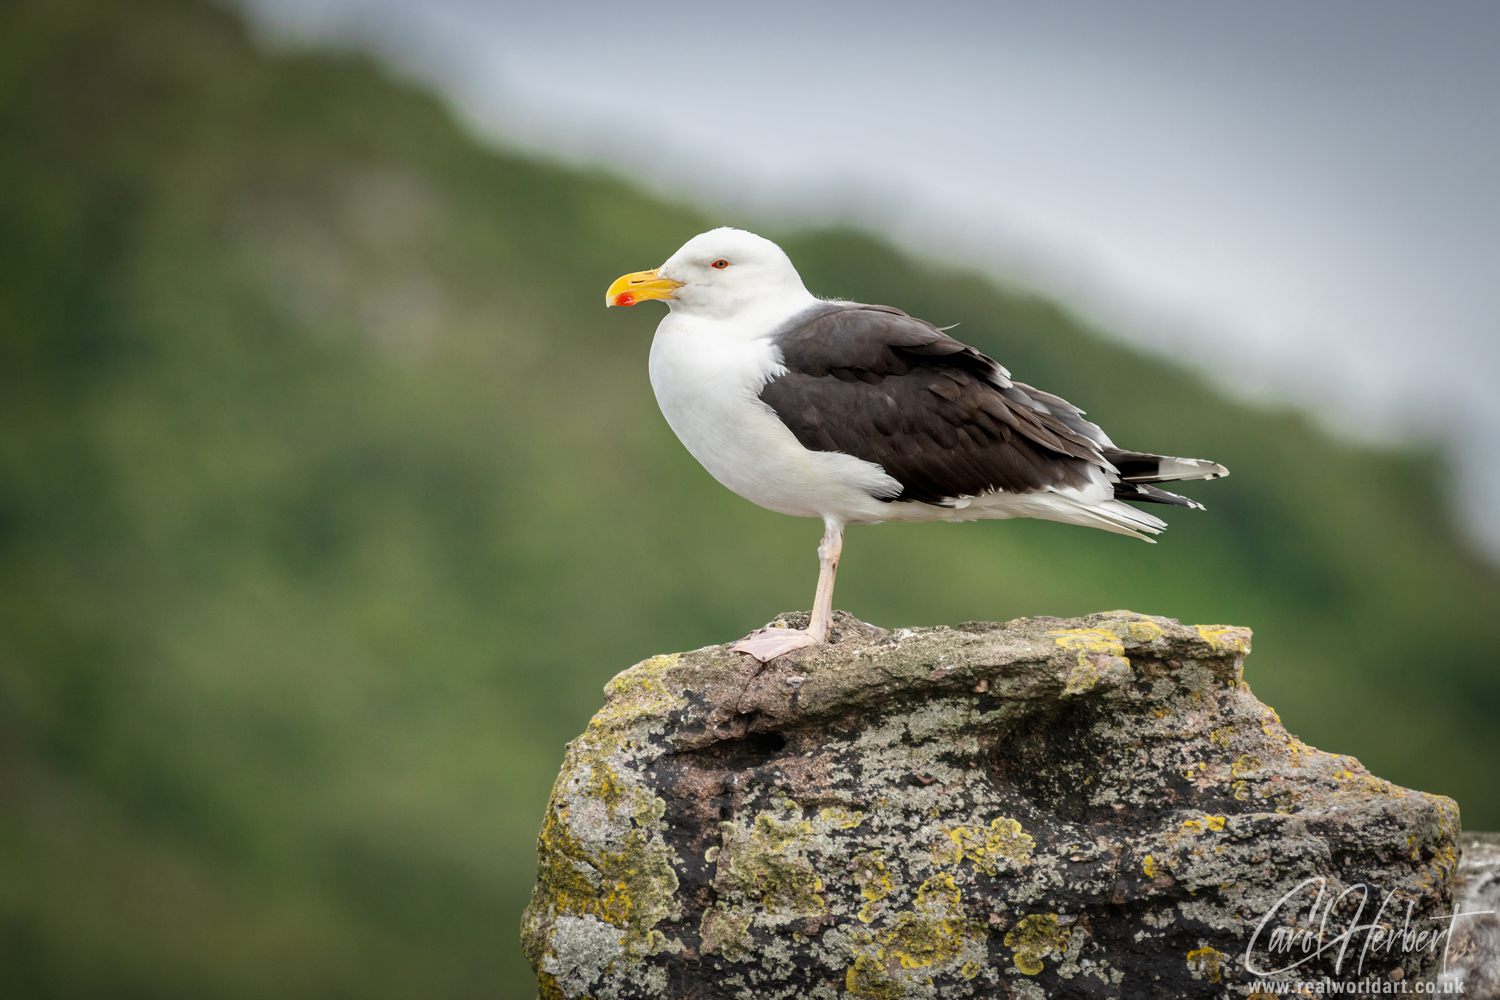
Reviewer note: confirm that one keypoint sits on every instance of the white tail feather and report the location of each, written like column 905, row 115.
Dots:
column 1071, row 507
column 1176, row 470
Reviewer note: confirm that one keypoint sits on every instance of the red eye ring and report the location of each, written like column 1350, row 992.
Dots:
column 721, row 263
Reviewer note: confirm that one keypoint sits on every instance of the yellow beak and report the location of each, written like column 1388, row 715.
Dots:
column 629, row 289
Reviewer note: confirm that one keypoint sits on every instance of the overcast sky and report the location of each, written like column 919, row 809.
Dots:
column 1300, row 199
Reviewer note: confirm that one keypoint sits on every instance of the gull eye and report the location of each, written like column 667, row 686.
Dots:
column 721, row 263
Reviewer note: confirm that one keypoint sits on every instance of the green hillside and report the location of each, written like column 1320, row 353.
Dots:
column 330, row 497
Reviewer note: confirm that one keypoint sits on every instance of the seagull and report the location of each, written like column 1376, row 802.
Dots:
column 860, row 414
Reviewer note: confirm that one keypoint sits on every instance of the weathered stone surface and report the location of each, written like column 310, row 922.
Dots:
column 1095, row 807
column 1473, row 961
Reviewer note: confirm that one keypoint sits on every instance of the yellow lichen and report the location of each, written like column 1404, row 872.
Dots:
column 932, row 933
column 1265, row 725
column 1085, row 677
column 1135, row 628
column 1226, row 638
column 1151, row 866
column 946, row 852
column 637, row 693
column 1143, row 631
column 874, row 883
column 606, row 784
column 1037, row 937
column 1088, row 640
column 1099, row 651
column 1245, row 765
column 633, row 889
column 866, row 979
column 841, row 819
column 1003, row 845
column 547, row 988
column 1197, row 826
column 1205, row 963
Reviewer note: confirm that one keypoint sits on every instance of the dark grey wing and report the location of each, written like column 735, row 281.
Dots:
column 940, row 417
column 840, row 338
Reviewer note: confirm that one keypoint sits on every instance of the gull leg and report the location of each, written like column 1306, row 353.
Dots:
column 828, row 567
column 768, row 643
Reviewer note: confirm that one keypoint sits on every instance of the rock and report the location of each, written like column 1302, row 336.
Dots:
column 1095, row 807
column 1473, row 962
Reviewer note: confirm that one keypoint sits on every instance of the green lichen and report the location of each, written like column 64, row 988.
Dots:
column 768, row 864
column 727, row 931
column 1037, row 937
column 1002, row 846
column 648, row 811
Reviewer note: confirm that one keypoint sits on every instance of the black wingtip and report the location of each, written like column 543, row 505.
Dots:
column 1144, row 493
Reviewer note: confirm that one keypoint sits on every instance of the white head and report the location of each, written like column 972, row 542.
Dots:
column 721, row 273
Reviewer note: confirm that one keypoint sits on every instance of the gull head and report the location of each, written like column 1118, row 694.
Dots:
column 723, row 273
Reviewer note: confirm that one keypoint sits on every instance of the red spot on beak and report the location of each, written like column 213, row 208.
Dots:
column 625, row 299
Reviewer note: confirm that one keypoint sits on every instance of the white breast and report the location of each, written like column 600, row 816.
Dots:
column 708, row 376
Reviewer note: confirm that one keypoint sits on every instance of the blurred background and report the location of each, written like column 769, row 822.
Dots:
column 330, row 496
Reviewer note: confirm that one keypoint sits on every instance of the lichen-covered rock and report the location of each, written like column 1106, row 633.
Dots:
column 1472, row 965
column 1088, row 808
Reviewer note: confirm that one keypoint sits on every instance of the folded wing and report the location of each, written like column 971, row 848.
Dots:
column 943, row 419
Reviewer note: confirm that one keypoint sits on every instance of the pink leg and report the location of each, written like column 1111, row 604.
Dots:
column 828, row 567
column 768, row 643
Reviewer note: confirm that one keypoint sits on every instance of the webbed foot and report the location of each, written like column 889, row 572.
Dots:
column 765, row 644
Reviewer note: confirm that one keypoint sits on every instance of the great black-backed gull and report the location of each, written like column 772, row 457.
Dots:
column 859, row 414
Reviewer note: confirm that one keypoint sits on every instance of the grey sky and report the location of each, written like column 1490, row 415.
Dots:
column 1300, row 199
